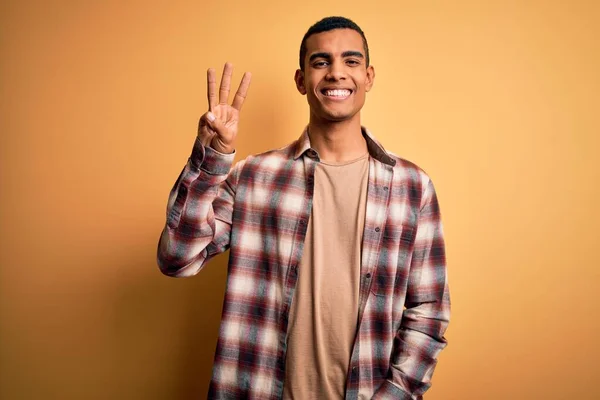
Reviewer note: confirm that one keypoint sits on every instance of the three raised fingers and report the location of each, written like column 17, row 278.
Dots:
column 225, row 86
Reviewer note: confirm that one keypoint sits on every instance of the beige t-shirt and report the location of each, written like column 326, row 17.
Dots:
column 324, row 313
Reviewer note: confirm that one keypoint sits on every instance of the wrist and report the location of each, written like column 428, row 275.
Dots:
column 223, row 149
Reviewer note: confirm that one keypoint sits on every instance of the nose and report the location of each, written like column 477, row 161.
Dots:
column 336, row 71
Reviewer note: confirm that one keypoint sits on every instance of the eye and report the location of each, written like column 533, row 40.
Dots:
column 353, row 62
column 320, row 64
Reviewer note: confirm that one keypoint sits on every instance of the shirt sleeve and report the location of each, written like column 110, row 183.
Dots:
column 427, row 309
column 199, row 212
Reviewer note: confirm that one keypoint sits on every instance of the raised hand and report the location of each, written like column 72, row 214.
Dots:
column 218, row 127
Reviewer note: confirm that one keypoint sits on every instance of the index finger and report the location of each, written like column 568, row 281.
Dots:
column 242, row 91
column 211, row 84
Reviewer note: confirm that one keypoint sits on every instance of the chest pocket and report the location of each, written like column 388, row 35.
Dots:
column 393, row 263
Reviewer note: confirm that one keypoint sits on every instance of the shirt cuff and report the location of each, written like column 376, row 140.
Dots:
column 210, row 160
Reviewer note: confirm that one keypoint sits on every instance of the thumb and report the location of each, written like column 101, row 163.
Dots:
column 215, row 123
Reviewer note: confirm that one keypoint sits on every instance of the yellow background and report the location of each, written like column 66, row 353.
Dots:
column 497, row 101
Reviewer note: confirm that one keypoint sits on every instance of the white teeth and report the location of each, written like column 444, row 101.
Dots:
column 337, row 93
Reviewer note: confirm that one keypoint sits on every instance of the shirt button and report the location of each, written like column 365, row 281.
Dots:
column 385, row 188
column 303, row 222
column 368, row 275
column 377, row 229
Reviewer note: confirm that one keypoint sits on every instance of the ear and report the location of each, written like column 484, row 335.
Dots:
column 299, row 78
column 370, row 78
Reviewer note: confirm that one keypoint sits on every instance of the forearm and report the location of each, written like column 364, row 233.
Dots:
column 417, row 345
column 193, row 232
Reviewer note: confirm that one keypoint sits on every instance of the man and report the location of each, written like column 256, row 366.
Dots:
column 337, row 284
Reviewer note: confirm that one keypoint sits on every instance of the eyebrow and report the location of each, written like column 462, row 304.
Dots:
column 327, row 56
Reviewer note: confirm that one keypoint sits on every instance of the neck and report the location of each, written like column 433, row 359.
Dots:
column 337, row 142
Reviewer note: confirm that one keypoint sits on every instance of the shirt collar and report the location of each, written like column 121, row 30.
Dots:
column 376, row 150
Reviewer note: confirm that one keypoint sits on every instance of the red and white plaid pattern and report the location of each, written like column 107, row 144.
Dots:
column 259, row 210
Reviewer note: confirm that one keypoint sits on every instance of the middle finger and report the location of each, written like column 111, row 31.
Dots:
column 225, row 83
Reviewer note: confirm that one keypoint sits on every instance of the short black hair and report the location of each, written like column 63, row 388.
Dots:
column 328, row 24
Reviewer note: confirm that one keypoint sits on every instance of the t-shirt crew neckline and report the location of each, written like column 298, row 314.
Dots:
column 344, row 163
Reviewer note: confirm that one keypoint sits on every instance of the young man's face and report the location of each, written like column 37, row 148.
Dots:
column 336, row 76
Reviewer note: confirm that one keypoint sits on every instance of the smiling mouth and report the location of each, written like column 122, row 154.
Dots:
column 336, row 93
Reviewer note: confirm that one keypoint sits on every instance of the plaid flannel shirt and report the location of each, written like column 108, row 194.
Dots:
column 259, row 210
